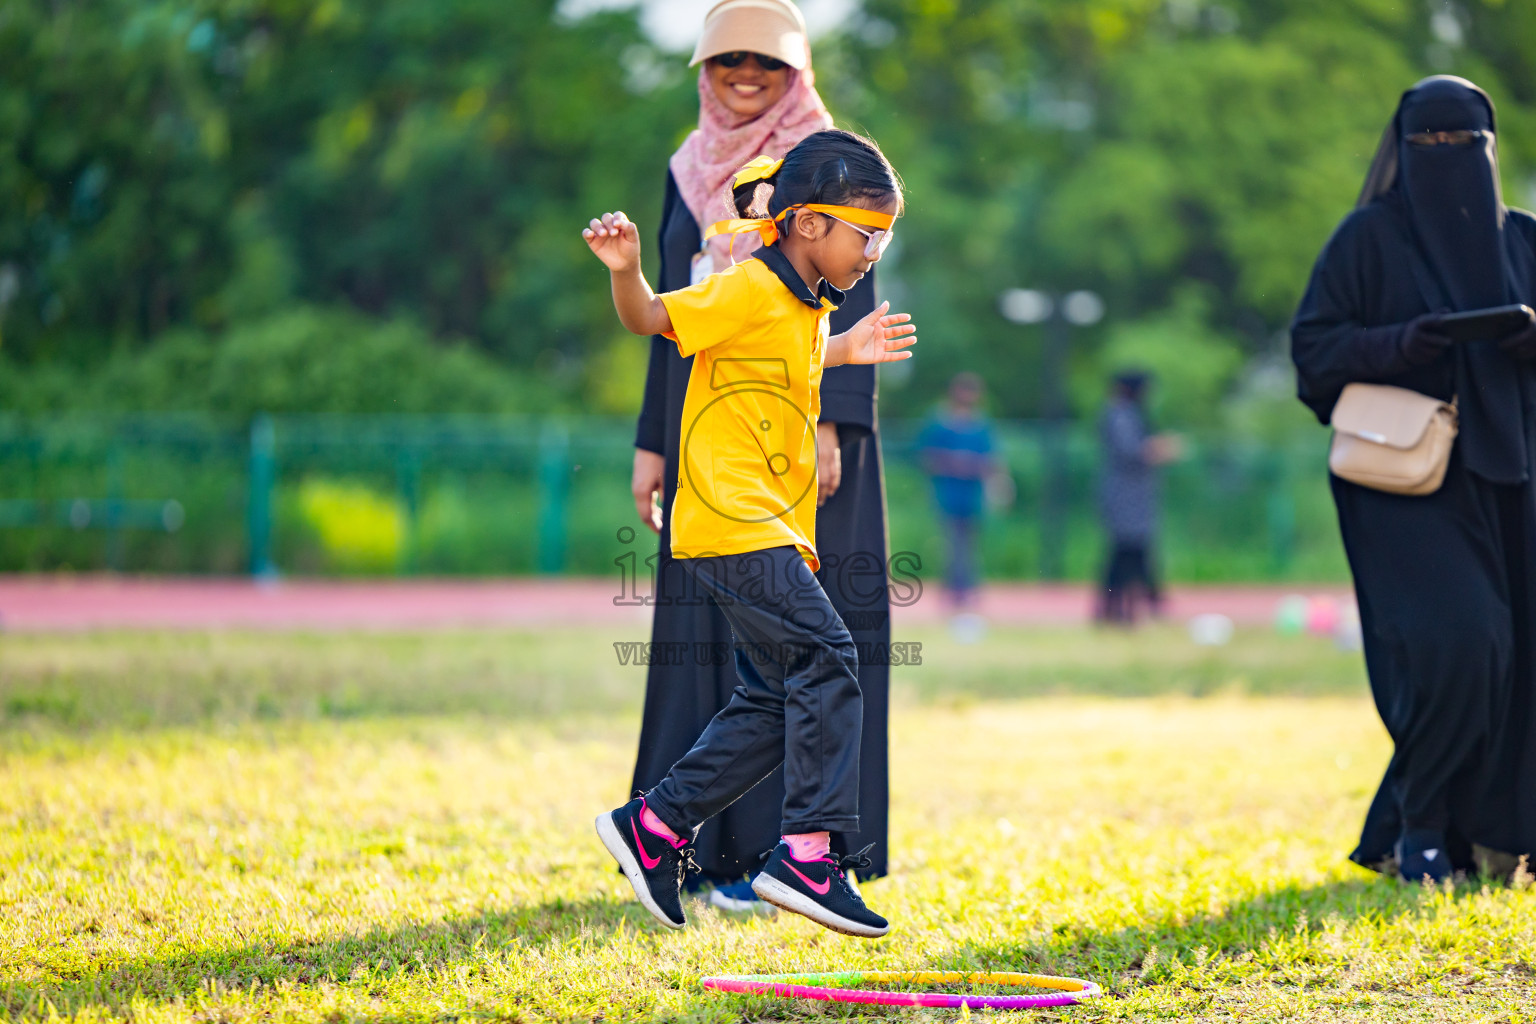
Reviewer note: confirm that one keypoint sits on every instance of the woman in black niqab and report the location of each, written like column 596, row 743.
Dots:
column 1443, row 580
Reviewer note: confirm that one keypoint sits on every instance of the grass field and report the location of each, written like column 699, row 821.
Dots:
column 254, row 827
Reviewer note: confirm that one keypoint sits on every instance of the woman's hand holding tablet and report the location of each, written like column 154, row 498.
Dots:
column 1522, row 343
column 1423, row 340
column 1493, row 324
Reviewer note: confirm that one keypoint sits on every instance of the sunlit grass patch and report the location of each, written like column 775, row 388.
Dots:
column 410, row 863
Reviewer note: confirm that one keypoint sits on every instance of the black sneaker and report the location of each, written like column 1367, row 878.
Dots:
column 1421, row 854
column 819, row 890
column 653, row 865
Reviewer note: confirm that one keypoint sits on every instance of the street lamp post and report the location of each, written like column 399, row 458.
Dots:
column 1075, row 309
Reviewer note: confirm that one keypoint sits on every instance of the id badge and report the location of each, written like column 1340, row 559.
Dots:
column 703, row 266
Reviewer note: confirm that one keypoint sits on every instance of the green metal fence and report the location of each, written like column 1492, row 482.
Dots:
column 499, row 495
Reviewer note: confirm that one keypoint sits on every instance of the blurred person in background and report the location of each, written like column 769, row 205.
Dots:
column 1443, row 579
column 956, row 449
column 1128, row 500
column 757, row 97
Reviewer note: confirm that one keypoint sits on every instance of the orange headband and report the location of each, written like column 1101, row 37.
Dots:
column 768, row 227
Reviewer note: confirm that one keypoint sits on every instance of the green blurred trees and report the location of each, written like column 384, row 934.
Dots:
column 259, row 184
column 209, row 164
column 301, row 358
column 1141, row 147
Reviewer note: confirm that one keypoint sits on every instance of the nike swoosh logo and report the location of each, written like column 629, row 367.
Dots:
column 647, row 860
column 820, row 890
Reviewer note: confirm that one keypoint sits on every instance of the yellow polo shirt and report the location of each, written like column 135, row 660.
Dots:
column 747, row 468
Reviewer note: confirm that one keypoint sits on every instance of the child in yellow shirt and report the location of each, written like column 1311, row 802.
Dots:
column 744, row 518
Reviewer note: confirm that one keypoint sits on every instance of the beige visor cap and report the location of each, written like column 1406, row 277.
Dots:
column 774, row 28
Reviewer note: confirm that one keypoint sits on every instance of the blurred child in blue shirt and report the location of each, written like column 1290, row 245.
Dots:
column 956, row 450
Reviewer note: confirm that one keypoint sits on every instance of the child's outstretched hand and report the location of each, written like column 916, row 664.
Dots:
column 615, row 240
column 879, row 337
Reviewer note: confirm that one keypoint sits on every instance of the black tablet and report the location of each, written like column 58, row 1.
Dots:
column 1486, row 324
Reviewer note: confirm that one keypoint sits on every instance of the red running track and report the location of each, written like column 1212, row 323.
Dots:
column 122, row 602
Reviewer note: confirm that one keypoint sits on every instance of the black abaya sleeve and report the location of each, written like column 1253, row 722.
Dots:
column 651, row 430
column 1331, row 343
column 848, row 391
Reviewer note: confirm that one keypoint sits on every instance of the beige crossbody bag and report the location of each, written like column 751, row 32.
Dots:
column 1392, row 439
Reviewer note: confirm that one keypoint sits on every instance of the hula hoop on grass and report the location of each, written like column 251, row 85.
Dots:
column 836, row 988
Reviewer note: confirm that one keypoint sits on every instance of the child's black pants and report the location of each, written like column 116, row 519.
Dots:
column 798, row 701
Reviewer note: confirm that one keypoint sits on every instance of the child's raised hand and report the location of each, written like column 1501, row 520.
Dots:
column 880, row 336
column 615, row 240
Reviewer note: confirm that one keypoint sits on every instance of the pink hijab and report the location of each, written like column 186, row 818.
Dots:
column 710, row 156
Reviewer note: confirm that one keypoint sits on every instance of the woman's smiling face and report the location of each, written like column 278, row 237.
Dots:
column 746, row 89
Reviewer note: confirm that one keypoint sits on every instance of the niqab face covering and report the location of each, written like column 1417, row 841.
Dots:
column 1449, row 200
column 1452, row 191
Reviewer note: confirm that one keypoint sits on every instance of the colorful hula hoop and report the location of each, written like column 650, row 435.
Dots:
column 839, row 988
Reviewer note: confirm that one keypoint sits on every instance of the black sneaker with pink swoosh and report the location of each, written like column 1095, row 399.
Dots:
column 651, row 862
column 818, row 889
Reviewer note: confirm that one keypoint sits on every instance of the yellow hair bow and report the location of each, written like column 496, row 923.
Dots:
column 764, row 227
column 758, row 169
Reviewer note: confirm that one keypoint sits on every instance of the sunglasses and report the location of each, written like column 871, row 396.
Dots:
column 875, row 241
column 736, row 58
column 1460, row 137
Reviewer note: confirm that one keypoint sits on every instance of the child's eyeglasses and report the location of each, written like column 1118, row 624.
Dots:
column 768, row 227
column 1459, row 137
column 876, row 241
column 736, row 58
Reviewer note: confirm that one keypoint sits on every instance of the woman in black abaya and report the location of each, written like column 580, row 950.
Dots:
column 1443, row 580
column 680, row 699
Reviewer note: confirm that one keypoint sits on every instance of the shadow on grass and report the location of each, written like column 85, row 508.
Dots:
column 376, row 954
column 1115, row 959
